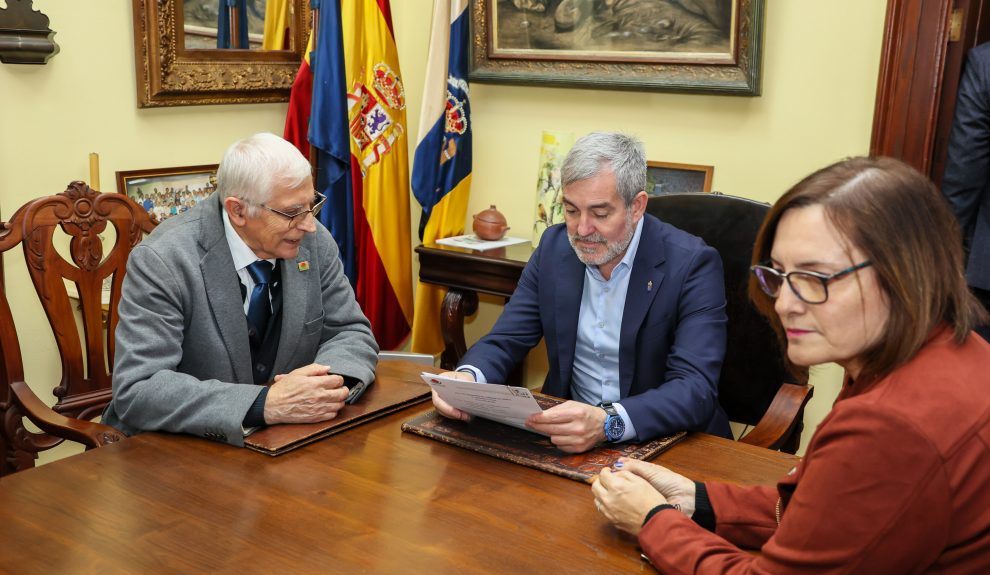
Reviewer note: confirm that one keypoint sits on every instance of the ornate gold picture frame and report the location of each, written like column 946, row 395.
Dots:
column 168, row 74
column 711, row 46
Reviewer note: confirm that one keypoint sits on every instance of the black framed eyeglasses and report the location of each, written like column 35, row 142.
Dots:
column 809, row 287
column 318, row 201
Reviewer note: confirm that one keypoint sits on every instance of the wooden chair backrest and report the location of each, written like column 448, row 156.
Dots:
column 86, row 351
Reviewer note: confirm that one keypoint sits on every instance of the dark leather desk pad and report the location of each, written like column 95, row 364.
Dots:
column 532, row 449
column 385, row 396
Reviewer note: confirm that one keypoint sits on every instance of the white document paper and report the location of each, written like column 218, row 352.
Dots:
column 503, row 403
column 473, row 242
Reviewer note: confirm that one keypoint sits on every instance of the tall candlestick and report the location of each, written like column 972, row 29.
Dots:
column 94, row 171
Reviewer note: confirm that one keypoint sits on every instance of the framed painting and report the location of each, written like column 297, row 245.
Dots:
column 167, row 192
column 710, row 46
column 671, row 178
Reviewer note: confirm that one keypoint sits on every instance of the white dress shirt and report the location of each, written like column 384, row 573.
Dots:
column 243, row 256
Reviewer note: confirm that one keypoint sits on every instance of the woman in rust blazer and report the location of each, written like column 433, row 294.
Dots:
column 858, row 264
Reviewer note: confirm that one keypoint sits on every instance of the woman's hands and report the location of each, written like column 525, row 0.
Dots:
column 626, row 494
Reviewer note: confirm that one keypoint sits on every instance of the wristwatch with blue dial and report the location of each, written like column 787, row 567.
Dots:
column 615, row 427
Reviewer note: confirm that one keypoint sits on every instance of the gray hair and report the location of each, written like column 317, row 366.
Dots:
column 253, row 167
column 600, row 152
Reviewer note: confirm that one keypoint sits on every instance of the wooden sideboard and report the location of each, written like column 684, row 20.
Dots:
column 466, row 273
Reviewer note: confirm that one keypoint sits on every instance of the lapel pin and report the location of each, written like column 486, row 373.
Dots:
column 304, row 266
column 649, row 285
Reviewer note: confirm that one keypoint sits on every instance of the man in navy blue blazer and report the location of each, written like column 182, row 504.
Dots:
column 632, row 309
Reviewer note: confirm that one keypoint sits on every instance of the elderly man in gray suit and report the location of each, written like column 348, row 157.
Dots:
column 242, row 291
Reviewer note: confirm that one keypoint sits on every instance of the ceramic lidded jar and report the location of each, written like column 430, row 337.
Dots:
column 489, row 224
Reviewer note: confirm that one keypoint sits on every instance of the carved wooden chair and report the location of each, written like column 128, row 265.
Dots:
column 86, row 350
column 755, row 387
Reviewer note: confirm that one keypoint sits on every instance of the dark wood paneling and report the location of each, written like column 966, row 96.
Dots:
column 908, row 91
column 920, row 68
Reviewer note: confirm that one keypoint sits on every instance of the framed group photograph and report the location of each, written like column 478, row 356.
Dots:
column 167, row 192
column 672, row 178
column 708, row 46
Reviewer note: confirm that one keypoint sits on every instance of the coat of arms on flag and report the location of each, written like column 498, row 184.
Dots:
column 454, row 116
column 371, row 125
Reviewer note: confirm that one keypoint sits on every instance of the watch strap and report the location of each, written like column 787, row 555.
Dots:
column 615, row 426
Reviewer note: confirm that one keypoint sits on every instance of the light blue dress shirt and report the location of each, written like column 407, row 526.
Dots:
column 595, row 376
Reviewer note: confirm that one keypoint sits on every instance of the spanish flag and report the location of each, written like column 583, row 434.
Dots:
column 376, row 114
column 441, row 177
column 348, row 101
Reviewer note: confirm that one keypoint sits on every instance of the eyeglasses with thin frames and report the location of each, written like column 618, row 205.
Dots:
column 318, row 201
column 809, row 287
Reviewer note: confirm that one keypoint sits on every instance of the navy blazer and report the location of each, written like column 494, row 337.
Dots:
column 966, row 183
column 672, row 338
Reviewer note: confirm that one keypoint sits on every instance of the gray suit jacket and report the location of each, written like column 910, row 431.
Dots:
column 183, row 362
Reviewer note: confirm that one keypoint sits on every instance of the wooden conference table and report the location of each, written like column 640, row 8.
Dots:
column 369, row 500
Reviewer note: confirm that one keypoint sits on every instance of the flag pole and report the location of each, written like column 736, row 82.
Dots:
column 314, row 156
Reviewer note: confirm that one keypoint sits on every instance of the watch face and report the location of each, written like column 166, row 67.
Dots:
column 615, row 428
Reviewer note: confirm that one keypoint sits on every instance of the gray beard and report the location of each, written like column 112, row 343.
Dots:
column 612, row 251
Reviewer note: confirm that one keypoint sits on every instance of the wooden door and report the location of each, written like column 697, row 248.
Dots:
column 924, row 47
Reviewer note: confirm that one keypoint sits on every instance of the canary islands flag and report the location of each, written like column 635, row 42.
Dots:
column 441, row 178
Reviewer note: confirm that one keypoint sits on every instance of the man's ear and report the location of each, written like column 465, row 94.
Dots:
column 639, row 205
column 236, row 211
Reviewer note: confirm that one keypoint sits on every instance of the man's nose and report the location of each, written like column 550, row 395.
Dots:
column 585, row 226
column 307, row 223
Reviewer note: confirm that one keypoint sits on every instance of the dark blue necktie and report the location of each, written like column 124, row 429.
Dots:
column 260, row 308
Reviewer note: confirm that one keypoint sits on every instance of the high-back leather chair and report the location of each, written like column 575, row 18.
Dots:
column 86, row 351
column 755, row 387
